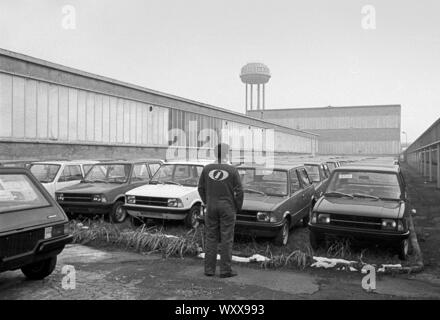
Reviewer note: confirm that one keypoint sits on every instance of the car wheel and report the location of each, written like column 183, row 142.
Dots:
column 306, row 219
column 191, row 217
column 282, row 237
column 41, row 269
column 402, row 249
column 118, row 213
column 316, row 240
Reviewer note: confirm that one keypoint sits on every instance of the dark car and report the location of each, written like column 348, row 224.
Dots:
column 33, row 227
column 319, row 174
column 103, row 189
column 274, row 201
column 363, row 203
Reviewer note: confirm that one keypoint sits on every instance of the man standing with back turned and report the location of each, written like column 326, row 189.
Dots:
column 221, row 191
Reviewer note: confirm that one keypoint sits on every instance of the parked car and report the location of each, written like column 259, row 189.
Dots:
column 274, row 201
column 332, row 165
column 55, row 175
column 364, row 203
column 33, row 228
column 171, row 194
column 103, row 188
column 319, row 174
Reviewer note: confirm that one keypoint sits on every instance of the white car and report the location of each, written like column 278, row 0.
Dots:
column 55, row 175
column 170, row 195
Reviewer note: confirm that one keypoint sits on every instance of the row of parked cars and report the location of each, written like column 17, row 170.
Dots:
column 360, row 198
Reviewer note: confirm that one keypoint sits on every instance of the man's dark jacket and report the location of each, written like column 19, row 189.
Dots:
column 220, row 183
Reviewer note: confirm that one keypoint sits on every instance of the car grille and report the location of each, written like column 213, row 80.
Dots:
column 247, row 216
column 20, row 243
column 355, row 221
column 77, row 197
column 152, row 201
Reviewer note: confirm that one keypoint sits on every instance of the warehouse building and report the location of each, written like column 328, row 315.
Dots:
column 49, row 111
column 365, row 130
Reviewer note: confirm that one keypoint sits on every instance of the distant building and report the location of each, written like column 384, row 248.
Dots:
column 357, row 130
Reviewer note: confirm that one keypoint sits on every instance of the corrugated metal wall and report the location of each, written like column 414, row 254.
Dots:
column 31, row 109
column 344, row 130
column 347, row 122
column 34, row 110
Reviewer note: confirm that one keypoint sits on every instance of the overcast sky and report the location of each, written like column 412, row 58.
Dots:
column 317, row 51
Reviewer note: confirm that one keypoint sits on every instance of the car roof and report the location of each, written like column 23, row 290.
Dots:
column 60, row 162
column 393, row 169
column 193, row 162
column 277, row 166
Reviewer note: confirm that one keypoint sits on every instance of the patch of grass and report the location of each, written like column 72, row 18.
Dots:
column 339, row 248
column 144, row 239
column 296, row 259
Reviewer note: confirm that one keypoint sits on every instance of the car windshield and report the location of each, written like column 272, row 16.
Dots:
column 45, row 173
column 313, row 172
column 17, row 192
column 108, row 173
column 264, row 181
column 366, row 184
column 179, row 174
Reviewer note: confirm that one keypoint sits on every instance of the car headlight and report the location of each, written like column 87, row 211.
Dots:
column 389, row 224
column 174, row 202
column 130, row 199
column 99, row 198
column 265, row 216
column 60, row 197
column 324, row 218
column 67, row 228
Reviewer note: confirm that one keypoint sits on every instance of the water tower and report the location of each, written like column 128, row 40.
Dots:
column 255, row 75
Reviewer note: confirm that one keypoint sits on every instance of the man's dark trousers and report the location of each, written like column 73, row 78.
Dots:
column 219, row 227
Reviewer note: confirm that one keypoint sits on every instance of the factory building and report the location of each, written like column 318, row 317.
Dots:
column 49, row 111
column 358, row 130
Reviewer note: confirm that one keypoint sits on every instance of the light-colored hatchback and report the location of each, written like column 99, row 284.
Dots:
column 55, row 175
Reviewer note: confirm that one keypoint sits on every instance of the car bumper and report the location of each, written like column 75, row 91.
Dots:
column 43, row 250
column 86, row 207
column 254, row 228
column 157, row 213
column 359, row 234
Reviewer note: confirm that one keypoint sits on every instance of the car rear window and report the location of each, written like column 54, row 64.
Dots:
column 378, row 184
column 17, row 192
column 45, row 173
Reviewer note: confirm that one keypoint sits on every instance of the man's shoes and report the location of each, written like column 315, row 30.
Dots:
column 209, row 274
column 228, row 274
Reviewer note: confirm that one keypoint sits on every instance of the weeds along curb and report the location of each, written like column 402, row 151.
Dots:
column 141, row 240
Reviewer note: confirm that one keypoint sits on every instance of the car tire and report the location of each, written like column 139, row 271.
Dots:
column 282, row 238
column 41, row 269
column 316, row 240
column 306, row 219
column 118, row 214
column 402, row 249
column 191, row 217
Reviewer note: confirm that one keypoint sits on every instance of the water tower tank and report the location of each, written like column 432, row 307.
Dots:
column 255, row 74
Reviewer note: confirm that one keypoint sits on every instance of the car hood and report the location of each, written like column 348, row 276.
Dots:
column 162, row 191
column 95, row 187
column 257, row 202
column 361, row 207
